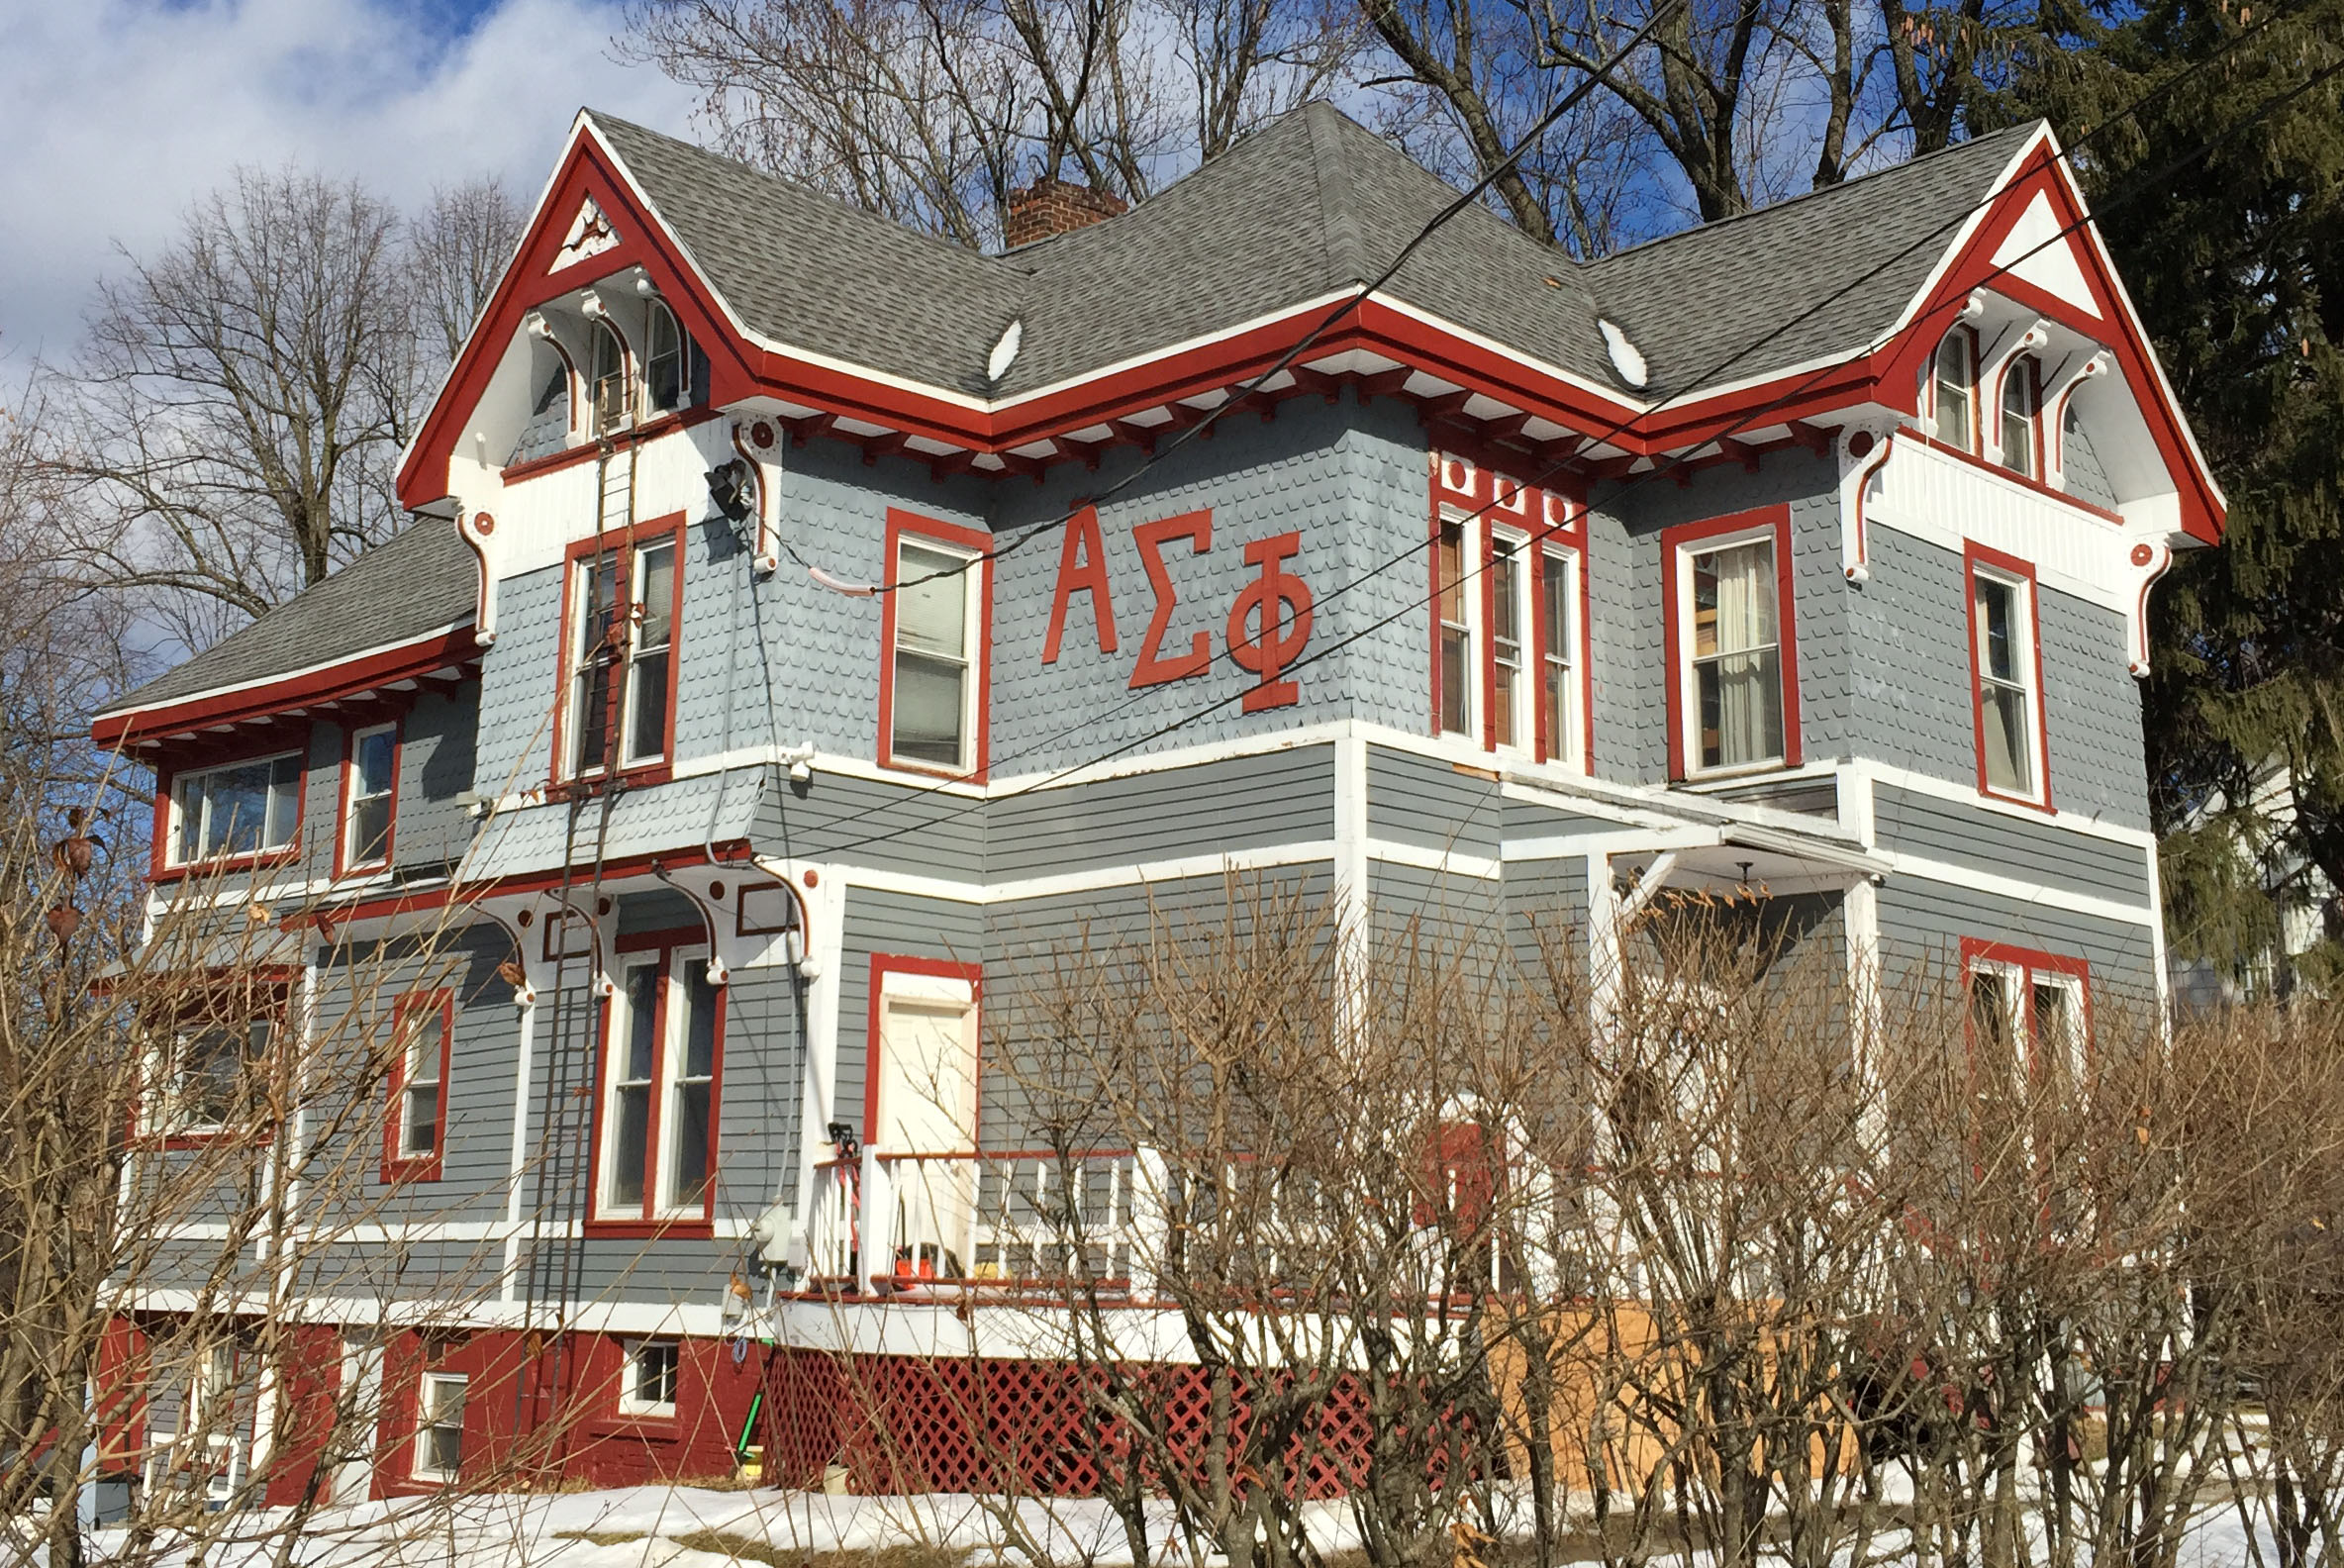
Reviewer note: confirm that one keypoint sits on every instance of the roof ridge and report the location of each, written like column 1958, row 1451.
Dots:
column 799, row 187
column 1716, row 225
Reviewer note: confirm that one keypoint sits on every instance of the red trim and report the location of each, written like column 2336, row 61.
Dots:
column 161, row 868
column 1152, row 670
column 624, row 543
column 1673, row 543
column 902, row 525
column 658, row 940
column 1082, row 568
column 634, row 434
column 343, row 866
column 311, row 688
column 1975, row 555
column 1546, row 517
column 399, row 1169
column 1976, row 950
column 885, row 964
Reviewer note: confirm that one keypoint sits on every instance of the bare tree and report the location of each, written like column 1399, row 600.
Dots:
column 231, row 424
column 458, row 249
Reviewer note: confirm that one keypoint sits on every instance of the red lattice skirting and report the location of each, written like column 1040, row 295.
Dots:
column 903, row 1424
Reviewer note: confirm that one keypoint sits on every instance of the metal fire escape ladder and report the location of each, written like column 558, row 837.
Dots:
column 566, row 1117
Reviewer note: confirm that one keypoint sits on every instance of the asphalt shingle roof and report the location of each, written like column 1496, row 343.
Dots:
column 417, row 581
column 1309, row 204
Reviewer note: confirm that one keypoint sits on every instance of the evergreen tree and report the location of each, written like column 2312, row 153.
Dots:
column 2236, row 261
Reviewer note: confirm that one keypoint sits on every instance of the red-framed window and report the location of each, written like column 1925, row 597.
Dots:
column 1953, row 388
column 660, row 1087
column 368, row 800
column 2019, row 420
column 227, row 814
column 212, row 1056
column 2028, row 1009
column 921, row 1103
column 935, row 636
column 623, row 601
column 1732, row 636
column 414, row 1129
column 1509, row 568
column 2007, row 677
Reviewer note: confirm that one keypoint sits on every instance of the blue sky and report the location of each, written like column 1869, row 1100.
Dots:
column 116, row 114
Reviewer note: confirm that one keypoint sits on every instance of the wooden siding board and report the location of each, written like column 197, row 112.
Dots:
column 1922, row 924
column 1428, row 804
column 1239, row 803
column 2012, row 845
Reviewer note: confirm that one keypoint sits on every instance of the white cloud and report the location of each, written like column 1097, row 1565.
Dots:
column 116, row 114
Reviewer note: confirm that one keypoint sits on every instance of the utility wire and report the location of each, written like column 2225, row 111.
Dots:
column 2130, row 192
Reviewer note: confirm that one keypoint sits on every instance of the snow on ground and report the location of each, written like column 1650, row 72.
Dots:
column 645, row 1527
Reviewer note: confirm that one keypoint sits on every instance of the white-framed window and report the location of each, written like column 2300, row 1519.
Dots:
column 1513, row 624
column 1955, row 376
column 935, row 680
column 422, row 1023
column 667, row 362
column 242, row 807
column 199, row 1449
column 2029, row 1016
column 1459, row 624
column 1733, row 652
column 649, row 1382
column 663, row 1059
column 372, row 783
column 631, row 640
column 2022, row 450
column 1558, row 588
column 440, row 1426
column 607, row 379
column 210, row 1077
column 2003, row 657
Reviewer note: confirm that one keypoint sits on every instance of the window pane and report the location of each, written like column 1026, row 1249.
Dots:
column 655, row 594
column 630, row 1131
column 1953, row 391
column 663, row 376
column 236, row 809
column 1455, row 650
column 687, row 1182
column 420, row 1133
column 1506, row 639
column 375, row 751
column 1733, row 599
column 610, row 378
column 642, row 1023
column 2008, row 753
column 2019, row 423
column 700, row 1029
column 931, row 616
column 1741, row 709
column 1555, row 581
column 1989, row 1010
column 370, row 830
column 927, row 703
column 646, row 706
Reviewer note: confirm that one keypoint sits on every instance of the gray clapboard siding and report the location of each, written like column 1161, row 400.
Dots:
column 762, row 1092
column 1239, row 803
column 1429, row 804
column 1547, row 914
column 1922, row 924
column 1810, row 797
column 1434, row 911
column 2010, row 845
column 889, row 825
column 1523, row 819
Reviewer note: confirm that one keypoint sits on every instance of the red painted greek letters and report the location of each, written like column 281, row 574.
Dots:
column 1082, row 568
column 1152, row 670
column 1279, row 605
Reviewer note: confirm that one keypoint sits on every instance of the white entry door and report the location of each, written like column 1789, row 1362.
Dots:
column 926, row 1104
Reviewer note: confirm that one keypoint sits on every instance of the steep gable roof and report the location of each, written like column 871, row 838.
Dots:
column 1823, row 274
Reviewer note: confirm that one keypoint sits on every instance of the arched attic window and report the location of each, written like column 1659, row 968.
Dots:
column 2022, row 434
column 667, row 363
column 1956, row 389
column 607, row 379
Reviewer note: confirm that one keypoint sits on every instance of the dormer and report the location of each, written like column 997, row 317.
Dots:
column 589, row 365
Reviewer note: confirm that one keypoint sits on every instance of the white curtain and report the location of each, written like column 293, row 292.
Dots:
column 1749, row 691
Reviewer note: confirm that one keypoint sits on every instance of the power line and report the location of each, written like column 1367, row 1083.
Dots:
column 2130, row 192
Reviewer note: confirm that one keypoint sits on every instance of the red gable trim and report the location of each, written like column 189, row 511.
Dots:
column 2116, row 326
column 305, row 688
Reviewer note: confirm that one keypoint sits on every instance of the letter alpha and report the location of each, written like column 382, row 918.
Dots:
column 1197, row 529
column 1082, row 567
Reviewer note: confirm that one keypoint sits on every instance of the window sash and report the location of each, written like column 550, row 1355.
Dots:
column 242, row 807
column 210, row 1085
column 650, row 651
column 1509, row 630
column 687, row 1131
column 932, row 687
column 1557, row 586
column 664, row 1055
column 664, row 366
column 1458, row 671
column 2005, row 689
column 375, row 757
column 610, row 380
column 634, row 1072
column 423, row 1047
column 1735, row 654
column 1957, row 390
column 2018, row 419
column 439, row 1435
column 653, row 1374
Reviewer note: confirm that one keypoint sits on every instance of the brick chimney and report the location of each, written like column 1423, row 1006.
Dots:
column 1051, row 206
